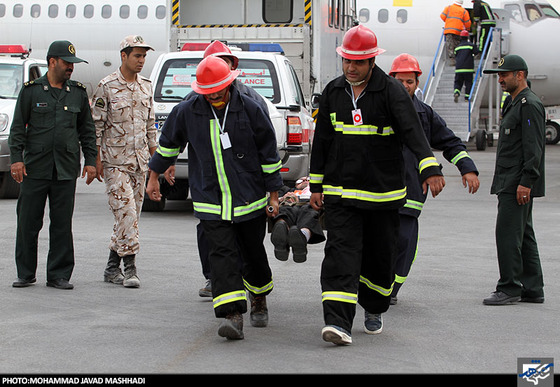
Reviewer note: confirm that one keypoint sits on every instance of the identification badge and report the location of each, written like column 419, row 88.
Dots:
column 226, row 144
column 357, row 117
column 507, row 131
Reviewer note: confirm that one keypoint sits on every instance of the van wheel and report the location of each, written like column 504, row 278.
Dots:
column 552, row 132
column 9, row 188
column 152, row 206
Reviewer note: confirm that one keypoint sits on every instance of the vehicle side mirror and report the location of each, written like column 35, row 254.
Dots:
column 315, row 97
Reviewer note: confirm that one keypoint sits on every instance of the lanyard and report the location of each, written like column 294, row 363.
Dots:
column 223, row 125
column 354, row 100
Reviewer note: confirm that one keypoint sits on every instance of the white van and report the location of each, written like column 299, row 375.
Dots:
column 271, row 74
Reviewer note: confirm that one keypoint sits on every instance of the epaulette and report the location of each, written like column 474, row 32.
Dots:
column 145, row 79
column 523, row 100
column 29, row 83
column 80, row 84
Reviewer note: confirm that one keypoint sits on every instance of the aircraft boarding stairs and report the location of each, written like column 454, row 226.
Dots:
column 467, row 119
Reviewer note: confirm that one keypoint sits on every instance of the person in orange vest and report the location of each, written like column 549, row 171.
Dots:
column 456, row 19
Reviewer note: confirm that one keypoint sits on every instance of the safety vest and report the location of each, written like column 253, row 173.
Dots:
column 456, row 19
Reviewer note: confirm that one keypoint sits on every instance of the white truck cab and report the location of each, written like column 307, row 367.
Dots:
column 271, row 74
column 16, row 68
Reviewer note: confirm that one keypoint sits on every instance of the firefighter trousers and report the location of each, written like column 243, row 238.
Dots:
column 407, row 250
column 359, row 263
column 226, row 241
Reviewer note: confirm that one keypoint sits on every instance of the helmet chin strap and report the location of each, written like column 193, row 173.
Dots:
column 358, row 83
column 222, row 102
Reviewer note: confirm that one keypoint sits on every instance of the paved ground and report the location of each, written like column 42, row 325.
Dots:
column 440, row 325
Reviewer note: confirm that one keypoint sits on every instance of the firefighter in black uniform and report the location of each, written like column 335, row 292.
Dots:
column 464, row 66
column 233, row 163
column 357, row 168
column 518, row 178
column 405, row 68
column 483, row 16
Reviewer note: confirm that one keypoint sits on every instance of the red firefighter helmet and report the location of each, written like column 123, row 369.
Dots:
column 212, row 75
column 464, row 33
column 405, row 63
column 359, row 42
column 219, row 49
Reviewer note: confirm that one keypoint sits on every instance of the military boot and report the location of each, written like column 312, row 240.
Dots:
column 259, row 311
column 113, row 271
column 130, row 278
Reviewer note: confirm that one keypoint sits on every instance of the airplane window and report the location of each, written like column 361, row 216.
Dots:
column 2, row 10
column 88, row 11
column 533, row 12
column 277, row 11
column 18, row 10
column 383, row 15
column 515, row 11
column 124, row 12
column 142, row 12
column 549, row 11
column 53, row 11
column 160, row 12
column 363, row 15
column 71, row 11
column 402, row 16
column 35, row 11
column 106, row 11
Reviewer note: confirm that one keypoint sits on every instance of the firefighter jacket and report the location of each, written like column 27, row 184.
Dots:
column 49, row 127
column 441, row 138
column 464, row 56
column 483, row 13
column 456, row 19
column 227, row 181
column 362, row 165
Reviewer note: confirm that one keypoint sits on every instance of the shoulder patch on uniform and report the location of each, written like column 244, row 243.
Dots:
column 100, row 103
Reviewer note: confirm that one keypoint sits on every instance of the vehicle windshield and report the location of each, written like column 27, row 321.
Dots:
column 175, row 79
column 11, row 80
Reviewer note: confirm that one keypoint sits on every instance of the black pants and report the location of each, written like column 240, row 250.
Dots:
column 359, row 264
column 518, row 254
column 463, row 79
column 30, row 212
column 407, row 248
column 226, row 241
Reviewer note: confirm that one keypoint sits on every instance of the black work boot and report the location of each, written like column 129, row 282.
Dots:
column 130, row 278
column 113, row 271
column 259, row 311
column 232, row 327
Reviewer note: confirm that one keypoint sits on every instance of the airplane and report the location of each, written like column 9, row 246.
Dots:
column 96, row 28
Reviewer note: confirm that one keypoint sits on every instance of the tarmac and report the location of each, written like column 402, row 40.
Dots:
column 439, row 328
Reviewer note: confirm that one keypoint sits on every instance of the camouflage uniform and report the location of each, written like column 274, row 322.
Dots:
column 125, row 129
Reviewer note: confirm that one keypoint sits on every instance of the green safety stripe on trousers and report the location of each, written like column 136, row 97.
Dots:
column 428, row 162
column 255, row 290
column 351, row 298
column 463, row 71
column 398, row 278
column 381, row 290
column 168, row 152
column 237, row 295
column 237, row 211
column 413, row 204
column 459, row 156
column 362, row 129
column 271, row 168
column 227, row 200
column 315, row 178
column 364, row 195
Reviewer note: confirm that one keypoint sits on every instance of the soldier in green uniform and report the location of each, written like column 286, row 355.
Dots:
column 52, row 119
column 518, row 178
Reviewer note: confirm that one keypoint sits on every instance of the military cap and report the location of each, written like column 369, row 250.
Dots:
column 509, row 63
column 64, row 50
column 134, row 41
